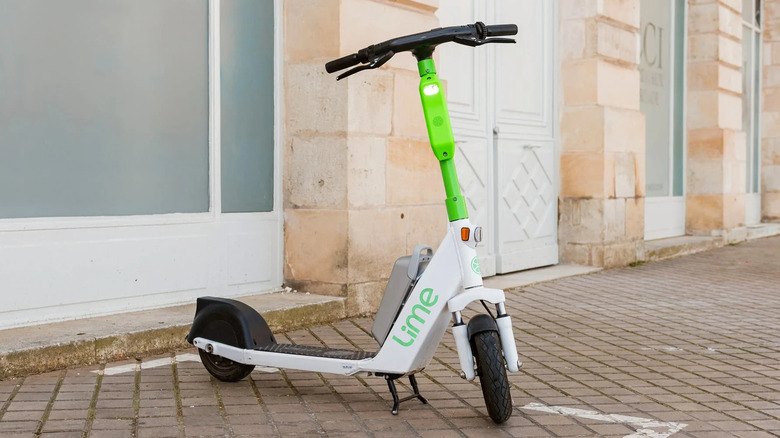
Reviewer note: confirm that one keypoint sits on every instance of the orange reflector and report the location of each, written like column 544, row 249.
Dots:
column 464, row 234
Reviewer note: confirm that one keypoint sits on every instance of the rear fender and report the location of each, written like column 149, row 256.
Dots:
column 230, row 322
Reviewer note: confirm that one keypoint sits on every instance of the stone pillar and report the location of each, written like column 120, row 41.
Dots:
column 602, row 161
column 715, row 203
column 361, row 185
column 770, row 120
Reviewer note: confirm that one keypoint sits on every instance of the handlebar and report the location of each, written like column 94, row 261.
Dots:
column 342, row 63
column 501, row 30
column 421, row 45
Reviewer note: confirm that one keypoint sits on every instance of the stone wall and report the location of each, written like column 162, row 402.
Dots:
column 770, row 121
column 715, row 188
column 362, row 188
column 602, row 141
column 361, row 185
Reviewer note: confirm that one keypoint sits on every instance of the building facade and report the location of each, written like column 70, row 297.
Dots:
column 152, row 152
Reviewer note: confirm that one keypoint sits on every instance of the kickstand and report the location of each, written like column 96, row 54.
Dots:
column 394, row 392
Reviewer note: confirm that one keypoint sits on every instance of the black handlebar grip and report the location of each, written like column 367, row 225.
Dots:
column 342, row 63
column 501, row 30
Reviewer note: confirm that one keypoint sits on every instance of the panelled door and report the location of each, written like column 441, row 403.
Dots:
column 501, row 100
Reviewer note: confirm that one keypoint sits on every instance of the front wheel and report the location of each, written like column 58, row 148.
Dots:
column 492, row 375
column 224, row 369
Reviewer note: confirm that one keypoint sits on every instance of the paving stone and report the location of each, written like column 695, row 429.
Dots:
column 18, row 426
column 111, row 433
column 254, row 430
column 63, row 425
column 691, row 340
column 67, row 434
column 68, row 414
column 158, row 432
column 27, row 406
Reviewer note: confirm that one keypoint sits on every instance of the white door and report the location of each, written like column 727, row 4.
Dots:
column 662, row 91
column 501, row 100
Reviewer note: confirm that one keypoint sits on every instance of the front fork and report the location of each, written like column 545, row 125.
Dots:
column 467, row 236
column 505, row 333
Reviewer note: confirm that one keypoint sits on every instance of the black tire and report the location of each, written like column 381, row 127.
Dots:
column 224, row 369
column 492, row 375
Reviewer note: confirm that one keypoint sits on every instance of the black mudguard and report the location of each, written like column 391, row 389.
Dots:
column 481, row 323
column 230, row 322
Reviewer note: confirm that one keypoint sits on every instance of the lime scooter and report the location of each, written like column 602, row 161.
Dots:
column 425, row 290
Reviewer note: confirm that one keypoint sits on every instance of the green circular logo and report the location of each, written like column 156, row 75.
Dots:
column 475, row 266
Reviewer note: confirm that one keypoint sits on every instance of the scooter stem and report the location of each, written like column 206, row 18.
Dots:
column 437, row 120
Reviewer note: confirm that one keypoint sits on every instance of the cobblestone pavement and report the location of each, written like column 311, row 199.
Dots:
column 688, row 347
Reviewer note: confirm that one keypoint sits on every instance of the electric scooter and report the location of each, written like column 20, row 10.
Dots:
column 425, row 289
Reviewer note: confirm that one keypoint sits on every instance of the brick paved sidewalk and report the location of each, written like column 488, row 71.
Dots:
column 691, row 343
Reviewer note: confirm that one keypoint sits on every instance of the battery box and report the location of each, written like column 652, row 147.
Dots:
column 406, row 271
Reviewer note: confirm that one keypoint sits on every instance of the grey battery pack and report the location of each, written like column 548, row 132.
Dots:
column 406, row 271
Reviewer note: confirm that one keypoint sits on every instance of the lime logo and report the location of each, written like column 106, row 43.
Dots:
column 416, row 320
column 475, row 266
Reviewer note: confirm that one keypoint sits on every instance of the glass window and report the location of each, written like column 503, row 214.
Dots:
column 747, row 81
column 103, row 107
column 751, row 90
column 678, row 146
column 751, row 12
column 662, row 78
column 756, row 126
column 247, row 105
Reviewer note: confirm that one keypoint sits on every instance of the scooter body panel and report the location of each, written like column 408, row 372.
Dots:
column 411, row 342
column 422, row 322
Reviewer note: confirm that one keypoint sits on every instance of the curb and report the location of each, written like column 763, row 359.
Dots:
column 159, row 340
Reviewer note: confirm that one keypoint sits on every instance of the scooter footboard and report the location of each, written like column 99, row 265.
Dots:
column 230, row 322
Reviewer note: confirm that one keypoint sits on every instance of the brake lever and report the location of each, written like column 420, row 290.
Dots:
column 376, row 63
column 473, row 42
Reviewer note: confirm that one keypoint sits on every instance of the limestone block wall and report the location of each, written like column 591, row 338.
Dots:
column 716, row 158
column 362, row 188
column 602, row 140
column 770, row 121
column 361, row 185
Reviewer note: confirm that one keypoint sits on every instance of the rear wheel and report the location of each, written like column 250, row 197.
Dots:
column 224, row 369
column 492, row 375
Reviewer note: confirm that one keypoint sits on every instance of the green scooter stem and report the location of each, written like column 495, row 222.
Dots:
column 437, row 120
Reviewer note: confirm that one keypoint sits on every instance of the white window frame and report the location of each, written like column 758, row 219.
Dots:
column 753, row 137
column 177, row 257
column 215, row 177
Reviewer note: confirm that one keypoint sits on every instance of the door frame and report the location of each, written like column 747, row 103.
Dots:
column 753, row 144
column 665, row 215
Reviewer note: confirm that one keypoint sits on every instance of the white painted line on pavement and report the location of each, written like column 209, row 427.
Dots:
column 643, row 425
column 166, row 361
column 119, row 369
